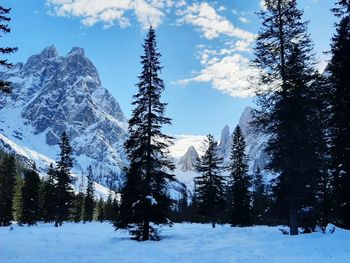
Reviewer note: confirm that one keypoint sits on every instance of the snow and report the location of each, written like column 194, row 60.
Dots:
column 185, row 243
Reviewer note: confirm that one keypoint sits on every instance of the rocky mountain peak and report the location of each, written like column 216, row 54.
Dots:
column 189, row 160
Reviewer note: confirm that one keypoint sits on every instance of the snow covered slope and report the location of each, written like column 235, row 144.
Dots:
column 52, row 94
column 183, row 243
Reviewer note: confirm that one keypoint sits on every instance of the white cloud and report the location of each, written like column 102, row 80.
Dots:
column 147, row 12
column 183, row 142
column 227, row 71
column 244, row 20
column 210, row 23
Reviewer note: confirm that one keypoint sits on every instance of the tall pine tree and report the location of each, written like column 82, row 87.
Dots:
column 30, row 197
column 63, row 189
column 7, row 185
column 89, row 198
column 339, row 78
column 284, row 55
column 48, row 202
column 5, row 86
column 145, row 198
column 239, row 182
column 210, row 184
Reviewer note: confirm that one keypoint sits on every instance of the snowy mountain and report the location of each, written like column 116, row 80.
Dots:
column 189, row 160
column 52, row 94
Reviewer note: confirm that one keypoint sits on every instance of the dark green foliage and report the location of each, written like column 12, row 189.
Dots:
column 63, row 189
column 145, row 202
column 101, row 216
column 17, row 198
column 239, row 182
column 79, row 203
column 30, row 198
column 5, row 86
column 7, row 185
column 286, row 110
column 339, row 78
column 48, row 196
column 89, row 198
column 210, row 185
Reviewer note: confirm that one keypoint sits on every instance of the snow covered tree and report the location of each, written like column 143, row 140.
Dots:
column 210, row 184
column 7, row 184
column 239, row 181
column 63, row 189
column 5, row 86
column 89, row 198
column 284, row 55
column 339, row 78
column 48, row 202
column 145, row 201
column 30, row 197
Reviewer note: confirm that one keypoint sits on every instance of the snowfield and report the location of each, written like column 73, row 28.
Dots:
column 197, row 243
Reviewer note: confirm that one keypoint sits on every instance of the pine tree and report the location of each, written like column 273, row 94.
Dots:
column 284, row 54
column 5, row 86
column 210, row 185
column 7, row 184
column 145, row 198
column 339, row 79
column 260, row 199
column 30, row 197
column 239, row 182
column 48, row 202
column 89, row 198
column 101, row 210
column 17, row 198
column 79, row 203
column 63, row 189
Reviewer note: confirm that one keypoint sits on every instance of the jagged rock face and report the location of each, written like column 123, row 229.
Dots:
column 52, row 94
column 189, row 160
column 225, row 141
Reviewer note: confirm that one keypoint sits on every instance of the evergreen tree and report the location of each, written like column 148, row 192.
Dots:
column 30, row 197
column 5, row 86
column 260, row 199
column 7, row 184
column 17, row 199
column 109, row 206
column 339, row 68
column 63, row 189
column 284, row 54
column 210, row 185
column 48, row 202
column 89, row 198
column 145, row 201
column 239, row 181
column 79, row 203
column 101, row 210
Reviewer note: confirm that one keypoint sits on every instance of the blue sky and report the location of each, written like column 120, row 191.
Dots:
column 205, row 46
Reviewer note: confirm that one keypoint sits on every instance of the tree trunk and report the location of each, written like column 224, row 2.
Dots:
column 213, row 224
column 293, row 223
column 145, row 230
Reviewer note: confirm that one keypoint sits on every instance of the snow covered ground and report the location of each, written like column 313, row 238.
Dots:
column 98, row 242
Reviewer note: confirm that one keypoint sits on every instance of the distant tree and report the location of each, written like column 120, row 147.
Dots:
column 89, row 198
column 101, row 210
column 49, row 202
column 145, row 201
column 30, row 197
column 210, row 184
column 79, row 202
column 239, row 181
column 63, row 189
column 5, row 86
column 260, row 197
column 339, row 78
column 17, row 198
column 7, row 185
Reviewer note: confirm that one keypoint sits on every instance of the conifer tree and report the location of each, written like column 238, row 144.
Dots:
column 7, row 184
column 79, row 202
column 339, row 68
column 30, row 197
column 17, row 198
column 260, row 199
column 284, row 55
column 210, row 184
column 63, row 189
column 5, row 86
column 48, row 202
column 239, row 182
column 100, row 210
column 89, row 198
column 145, row 201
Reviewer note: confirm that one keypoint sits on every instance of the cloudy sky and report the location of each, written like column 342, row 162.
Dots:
column 206, row 48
